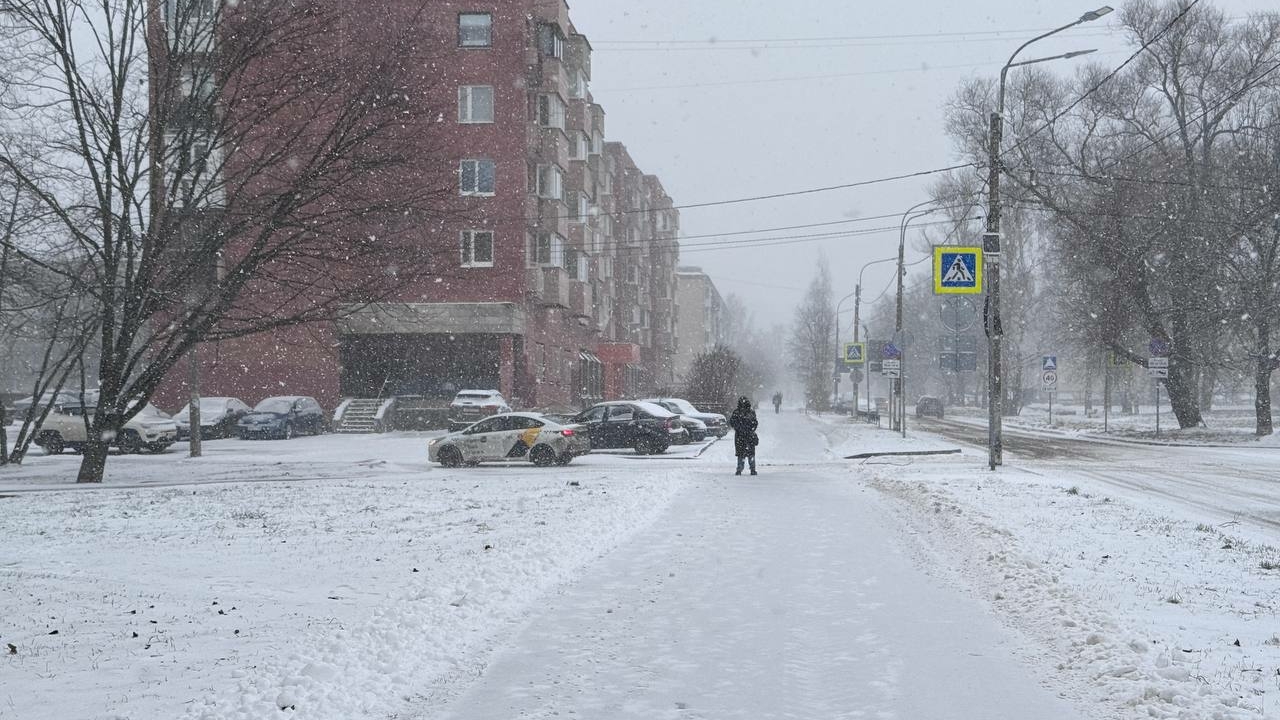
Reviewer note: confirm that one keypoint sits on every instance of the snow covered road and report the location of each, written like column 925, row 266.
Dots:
column 1238, row 485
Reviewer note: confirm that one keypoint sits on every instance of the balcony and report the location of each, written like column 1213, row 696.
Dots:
column 581, row 299
column 549, row 286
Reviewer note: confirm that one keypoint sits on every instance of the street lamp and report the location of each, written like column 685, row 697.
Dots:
column 857, row 303
column 899, row 389
column 991, row 242
column 840, row 355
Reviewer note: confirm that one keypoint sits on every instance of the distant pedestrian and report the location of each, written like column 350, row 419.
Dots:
column 744, row 424
column 777, row 402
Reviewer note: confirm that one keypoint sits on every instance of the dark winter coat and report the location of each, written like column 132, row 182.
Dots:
column 744, row 424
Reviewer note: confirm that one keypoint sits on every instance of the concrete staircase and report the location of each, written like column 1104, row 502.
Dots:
column 359, row 415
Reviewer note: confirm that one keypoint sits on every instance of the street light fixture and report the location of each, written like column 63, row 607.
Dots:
column 991, row 242
column 857, row 302
column 899, row 389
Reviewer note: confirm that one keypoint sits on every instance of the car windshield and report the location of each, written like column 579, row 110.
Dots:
column 279, row 406
column 474, row 396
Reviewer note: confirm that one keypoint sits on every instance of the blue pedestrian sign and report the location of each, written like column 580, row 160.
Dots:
column 957, row 270
column 855, row 353
column 1159, row 347
column 891, row 352
column 1049, row 362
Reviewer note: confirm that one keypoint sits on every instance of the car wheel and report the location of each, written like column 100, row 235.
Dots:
column 543, row 456
column 449, row 457
column 288, row 431
column 52, row 443
column 158, row 448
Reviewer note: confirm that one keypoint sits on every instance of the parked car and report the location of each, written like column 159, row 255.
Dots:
column 468, row 406
column 283, row 417
column 65, row 427
column 511, row 436
column 18, row 410
column 716, row 423
column 219, row 417
column 929, row 405
column 694, row 429
column 648, row 428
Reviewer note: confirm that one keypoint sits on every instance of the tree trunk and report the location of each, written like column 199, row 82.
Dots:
column 4, row 436
column 1182, row 390
column 94, row 462
column 1266, row 364
column 1262, row 396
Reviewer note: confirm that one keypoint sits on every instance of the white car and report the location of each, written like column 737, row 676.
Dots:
column 468, row 406
column 511, row 436
column 150, row 429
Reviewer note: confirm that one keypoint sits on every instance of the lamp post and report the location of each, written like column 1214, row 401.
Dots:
column 991, row 242
column 899, row 388
column 839, row 355
column 857, row 303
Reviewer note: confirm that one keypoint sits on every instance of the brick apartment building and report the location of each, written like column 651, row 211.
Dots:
column 558, row 288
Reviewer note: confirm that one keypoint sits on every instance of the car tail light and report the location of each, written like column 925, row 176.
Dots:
column 567, row 432
column 667, row 424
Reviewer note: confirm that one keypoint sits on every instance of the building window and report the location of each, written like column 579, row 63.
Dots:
column 597, row 142
column 550, row 40
column 477, row 248
column 475, row 30
column 571, row 262
column 547, row 250
column 606, row 267
column 541, row 361
column 584, row 207
column 476, row 177
column 475, row 104
column 551, row 111
column 550, row 182
column 577, row 85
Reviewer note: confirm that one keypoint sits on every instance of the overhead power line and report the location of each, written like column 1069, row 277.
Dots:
column 923, row 67
column 1141, row 49
column 835, row 38
column 663, row 46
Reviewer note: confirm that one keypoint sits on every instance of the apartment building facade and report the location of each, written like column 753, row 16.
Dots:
column 555, row 280
column 700, row 317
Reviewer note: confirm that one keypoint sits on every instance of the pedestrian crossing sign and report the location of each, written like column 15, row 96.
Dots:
column 957, row 270
column 855, row 353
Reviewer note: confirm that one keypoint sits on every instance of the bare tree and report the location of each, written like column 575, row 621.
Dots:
column 1131, row 169
column 213, row 170
column 812, row 343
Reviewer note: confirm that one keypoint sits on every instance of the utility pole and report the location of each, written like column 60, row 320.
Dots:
column 991, row 242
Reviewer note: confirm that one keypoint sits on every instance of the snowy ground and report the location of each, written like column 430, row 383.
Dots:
column 343, row 577
column 1225, row 424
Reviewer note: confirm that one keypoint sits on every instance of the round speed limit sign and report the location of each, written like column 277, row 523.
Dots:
column 1049, row 378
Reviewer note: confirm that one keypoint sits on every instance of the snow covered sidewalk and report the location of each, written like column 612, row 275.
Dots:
column 780, row 596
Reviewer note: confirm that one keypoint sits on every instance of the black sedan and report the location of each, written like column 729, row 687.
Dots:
column 283, row 417
column 219, row 418
column 647, row 428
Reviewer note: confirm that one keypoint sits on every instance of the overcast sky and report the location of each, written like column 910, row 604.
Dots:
column 718, row 119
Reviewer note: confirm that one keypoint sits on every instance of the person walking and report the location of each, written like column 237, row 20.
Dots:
column 777, row 402
column 744, row 424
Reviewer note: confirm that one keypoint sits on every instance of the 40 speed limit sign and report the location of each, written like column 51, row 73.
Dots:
column 1049, row 378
